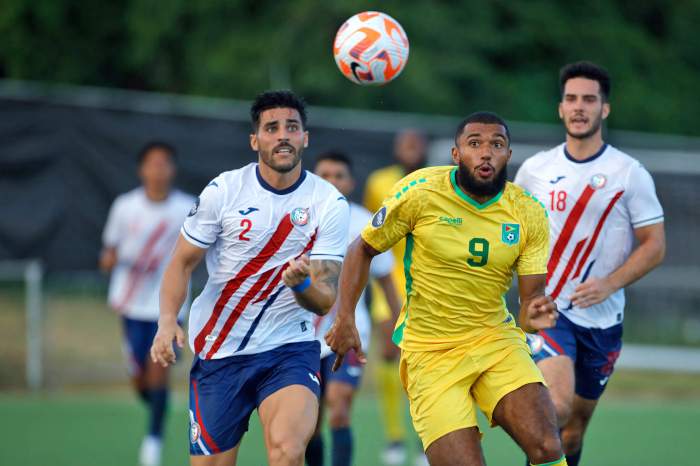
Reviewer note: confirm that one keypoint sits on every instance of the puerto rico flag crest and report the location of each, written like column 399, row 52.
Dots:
column 510, row 233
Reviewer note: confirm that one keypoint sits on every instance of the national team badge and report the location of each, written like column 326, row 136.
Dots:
column 598, row 181
column 194, row 208
column 195, row 432
column 300, row 216
column 379, row 217
column 510, row 233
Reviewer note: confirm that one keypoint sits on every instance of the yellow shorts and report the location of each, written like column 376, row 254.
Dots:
column 443, row 385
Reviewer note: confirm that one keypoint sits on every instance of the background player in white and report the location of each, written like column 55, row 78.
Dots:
column 338, row 388
column 274, row 237
column 599, row 200
column 141, row 231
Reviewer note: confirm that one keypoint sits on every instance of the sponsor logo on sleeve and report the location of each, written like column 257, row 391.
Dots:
column 194, row 208
column 379, row 217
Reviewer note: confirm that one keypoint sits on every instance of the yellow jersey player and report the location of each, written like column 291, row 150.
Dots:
column 410, row 153
column 466, row 231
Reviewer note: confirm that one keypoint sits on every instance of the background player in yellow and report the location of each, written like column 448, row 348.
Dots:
column 467, row 230
column 410, row 152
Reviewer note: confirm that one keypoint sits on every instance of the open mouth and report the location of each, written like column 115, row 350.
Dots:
column 284, row 149
column 485, row 170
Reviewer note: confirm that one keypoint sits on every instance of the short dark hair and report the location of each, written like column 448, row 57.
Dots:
column 156, row 145
column 276, row 99
column 588, row 70
column 334, row 156
column 488, row 118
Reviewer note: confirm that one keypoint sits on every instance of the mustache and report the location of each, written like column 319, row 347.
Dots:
column 284, row 145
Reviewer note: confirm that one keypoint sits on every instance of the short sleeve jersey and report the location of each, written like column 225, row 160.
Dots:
column 382, row 265
column 251, row 231
column 143, row 233
column 594, row 206
column 460, row 256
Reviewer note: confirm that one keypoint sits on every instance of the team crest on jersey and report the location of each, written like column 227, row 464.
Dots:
column 510, row 233
column 379, row 217
column 195, row 432
column 300, row 216
column 598, row 181
column 194, row 208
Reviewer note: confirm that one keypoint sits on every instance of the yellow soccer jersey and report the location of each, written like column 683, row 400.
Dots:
column 460, row 255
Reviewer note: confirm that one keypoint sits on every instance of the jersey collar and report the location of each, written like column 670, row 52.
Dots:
column 288, row 190
column 588, row 159
column 464, row 196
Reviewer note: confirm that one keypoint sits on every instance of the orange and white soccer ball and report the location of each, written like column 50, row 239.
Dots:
column 371, row 48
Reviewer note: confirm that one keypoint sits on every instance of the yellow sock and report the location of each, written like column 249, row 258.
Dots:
column 559, row 462
column 391, row 400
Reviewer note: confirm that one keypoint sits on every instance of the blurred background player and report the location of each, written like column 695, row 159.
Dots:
column 410, row 153
column 140, row 234
column 467, row 230
column 338, row 388
column 274, row 236
column 599, row 200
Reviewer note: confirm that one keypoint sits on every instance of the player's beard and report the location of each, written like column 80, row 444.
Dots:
column 597, row 121
column 268, row 158
column 477, row 187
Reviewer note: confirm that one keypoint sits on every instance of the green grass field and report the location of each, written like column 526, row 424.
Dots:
column 105, row 430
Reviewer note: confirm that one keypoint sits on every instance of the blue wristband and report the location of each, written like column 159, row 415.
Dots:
column 302, row 286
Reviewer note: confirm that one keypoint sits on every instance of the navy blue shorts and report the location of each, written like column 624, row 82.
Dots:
column 138, row 338
column 224, row 392
column 350, row 372
column 593, row 350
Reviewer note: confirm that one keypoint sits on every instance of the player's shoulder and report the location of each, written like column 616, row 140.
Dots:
column 621, row 158
column 543, row 158
column 130, row 198
column 425, row 178
column 322, row 189
column 521, row 200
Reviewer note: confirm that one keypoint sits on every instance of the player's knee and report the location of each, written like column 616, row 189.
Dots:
column 572, row 436
column 339, row 418
column 286, row 451
column 547, row 448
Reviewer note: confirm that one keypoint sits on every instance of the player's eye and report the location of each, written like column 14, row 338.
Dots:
column 292, row 127
column 498, row 145
column 590, row 99
column 271, row 128
column 473, row 143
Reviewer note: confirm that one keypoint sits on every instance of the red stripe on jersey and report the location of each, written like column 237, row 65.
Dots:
column 142, row 265
column 251, row 268
column 275, row 281
column 236, row 313
column 596, row 232
column 205, row 435
column 568, row 230
column 569, row 267
column 551, row 342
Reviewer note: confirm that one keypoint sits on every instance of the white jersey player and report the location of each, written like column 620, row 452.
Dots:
column 140, row 234
column 274, row 238
column 599, row 201
column 338, row 387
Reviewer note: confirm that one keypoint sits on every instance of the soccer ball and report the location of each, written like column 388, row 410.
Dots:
column 371, row 48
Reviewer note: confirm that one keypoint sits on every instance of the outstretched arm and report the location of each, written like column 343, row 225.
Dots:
column 314, row 283
column 343, row 335
column 537, row 310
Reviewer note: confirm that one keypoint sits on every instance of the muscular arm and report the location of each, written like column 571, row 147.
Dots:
column 537, row 310
column 647, row 255
column 320, row 296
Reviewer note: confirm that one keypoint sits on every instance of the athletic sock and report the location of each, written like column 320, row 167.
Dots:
column 573, row 459
column 390, row 401
column 342, row 446
column 560, row 462
column 314, row 451
column 157, row 402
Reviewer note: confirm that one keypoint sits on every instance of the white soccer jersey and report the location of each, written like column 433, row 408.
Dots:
column 594, row 206
column 252, row 231
column 144, row 234
column 382, row 265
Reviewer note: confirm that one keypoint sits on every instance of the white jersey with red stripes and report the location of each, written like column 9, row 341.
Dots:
column 144, row 234
column 594, row 206
column 382, row 265
column 252, row 230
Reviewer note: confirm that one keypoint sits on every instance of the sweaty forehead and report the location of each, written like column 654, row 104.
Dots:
column 279, row 114
column 484, row 130
column 582, row 86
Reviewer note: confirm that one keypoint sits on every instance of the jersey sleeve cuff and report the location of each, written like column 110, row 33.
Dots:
column 648, row 221
column 372, row 243
column 326, row 257
column 194, row 240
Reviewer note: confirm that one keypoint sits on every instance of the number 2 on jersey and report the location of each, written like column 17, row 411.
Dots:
column 557, row 200
column 247, row 225
column 479, row 248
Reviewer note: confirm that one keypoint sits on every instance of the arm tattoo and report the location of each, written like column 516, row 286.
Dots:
column 327, row 272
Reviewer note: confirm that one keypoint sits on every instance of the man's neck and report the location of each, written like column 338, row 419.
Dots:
column 581, row 149
column 156, row 194
column 277, row 180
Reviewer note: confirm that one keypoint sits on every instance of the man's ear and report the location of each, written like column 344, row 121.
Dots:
column 306, row 139
column 254, row 142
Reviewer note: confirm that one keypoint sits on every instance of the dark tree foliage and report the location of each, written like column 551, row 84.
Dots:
column 465, row 55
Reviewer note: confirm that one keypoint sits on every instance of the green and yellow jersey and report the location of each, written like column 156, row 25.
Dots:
column 460, row 256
